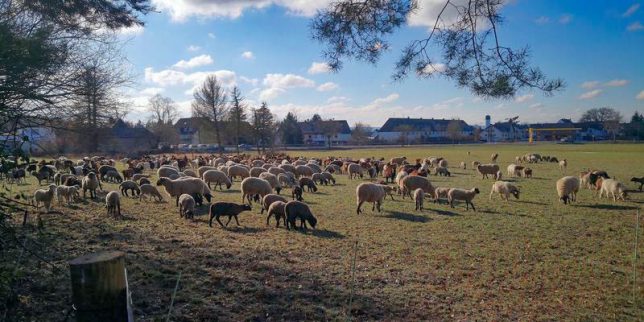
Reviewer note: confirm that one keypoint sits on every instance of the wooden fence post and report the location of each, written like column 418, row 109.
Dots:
column 99, row 287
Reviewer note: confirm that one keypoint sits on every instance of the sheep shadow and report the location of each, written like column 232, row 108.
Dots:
column 444, row 212
column 608, row 207
column 243, row 229
column 327, row 234
column 407, row 217
column 531, row 202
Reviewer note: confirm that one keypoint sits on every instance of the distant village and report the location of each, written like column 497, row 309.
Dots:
column 197, row 134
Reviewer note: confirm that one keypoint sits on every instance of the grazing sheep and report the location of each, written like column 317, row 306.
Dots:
column 567, row 188
column 527, row 173
column 186, row 206
column 487, row 169
column 354, row 170
column 90, row 182
column 238, row 171
column 440, row 192
column 442, row 163
column 104, row 169
column 398, row 161
column 411, row 183
column 112, row 176
column 475, row 164
column 254, row 186
column 369, row 192
column 398, row 180
column 188, row 185
column 45, row 196
column 319, row 179
column 269, row 199
column 328, row 177
column 150, row 190
column 272, row 179
column 638, row 180
column 463, row 165
column 613, row 187
column 419, row 195
column 308, row 183
column 287, row 168
column 504, row 189
column 277, row 209
column 297, row 209
column 190, row 173
column 464, row 195
column 201, row 170
column 389, row 190
column 40, row 176
column 67, row 193
column 229, row 209
column 303, row 171
column 218, row 177
column 515, row 170
column 494, row 157
column 285, row 179
column 256, row 171
column 130, row 185
column 297, row 192
column 113, row 204
column 275, row 171
column 498, row 176
column 144, row 181
column 137, row 177
column 563, row 164
column 72, row 181
column 442, row 171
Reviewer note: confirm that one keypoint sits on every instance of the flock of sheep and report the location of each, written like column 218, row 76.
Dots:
column 263, row 179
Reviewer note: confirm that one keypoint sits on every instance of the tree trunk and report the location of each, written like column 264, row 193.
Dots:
column 99, row 287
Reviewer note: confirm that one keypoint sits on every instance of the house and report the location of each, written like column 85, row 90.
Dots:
column 504, row 132
column 122, row 137
column 318, row 133
column 38, row 137
column 190, row 129
column 420, row 130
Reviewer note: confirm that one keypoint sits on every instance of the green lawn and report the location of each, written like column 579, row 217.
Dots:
column 528, row 259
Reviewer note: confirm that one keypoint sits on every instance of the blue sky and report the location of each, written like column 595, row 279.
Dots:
column 264, row 47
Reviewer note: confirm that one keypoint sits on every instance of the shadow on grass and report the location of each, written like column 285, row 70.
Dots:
column 323, row 233
column 608, row 207
column 242, row 229
column 407, row 217
column 531, row 202
column 444, row 212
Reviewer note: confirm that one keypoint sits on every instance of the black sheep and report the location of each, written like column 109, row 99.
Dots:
column 229, row 209
column 638, row 180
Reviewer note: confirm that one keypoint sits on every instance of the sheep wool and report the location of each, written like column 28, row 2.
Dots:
column 462, row 195
column 614, row 188
column 254, row 186
column 567, row 188
column 504, row 189
column 369, row 192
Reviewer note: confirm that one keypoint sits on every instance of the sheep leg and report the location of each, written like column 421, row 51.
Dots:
column 229, row 219
column 236, row 220
column 472, row 205
column 180, row 211
column 219, row 221
column 177, row 201
column 118, row 209
column 378, row 206
column 269, row 217
column 359, row 205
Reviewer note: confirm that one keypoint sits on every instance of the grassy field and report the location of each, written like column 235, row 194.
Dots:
column 528, row 259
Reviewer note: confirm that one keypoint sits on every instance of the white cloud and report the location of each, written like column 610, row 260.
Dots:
column 536, row 106
column 640, row 96
column 252, row 81
column 428, row 10
column 336, row 99
column 271, row 93
column 434, row 68
column 211, row 35
column 169, row 77
column 151, row 91
column 524, row 98
column 590, row 95
column 165, row 77
column 134, row 30
column 542, row 20
column 590, row 84
column 180, row 10
column 328, row 86
column 385, row 100
column 319, row 68
column 631, row 10
column 193, row 48
column 448, row 104
column 565, row 19
column 248, row 55
column 287, row 81
column 635, row 26
column 617, row 83
column 197, row 61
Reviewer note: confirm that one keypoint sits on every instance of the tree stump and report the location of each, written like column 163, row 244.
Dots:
column 99, row 287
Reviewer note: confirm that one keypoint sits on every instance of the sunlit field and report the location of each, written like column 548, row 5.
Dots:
column 528, row 259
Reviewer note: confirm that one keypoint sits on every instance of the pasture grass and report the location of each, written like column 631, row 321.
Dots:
column 528, row 259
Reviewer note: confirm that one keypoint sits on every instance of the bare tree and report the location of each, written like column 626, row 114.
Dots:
column 264, row 130
column 609, row 117
column 359, row 133
column 471, row 52
column 454, row 130
column 163, row 109
column 237, row 114
column 210, row 102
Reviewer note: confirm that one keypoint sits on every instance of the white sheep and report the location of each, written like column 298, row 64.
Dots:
column 166, row 171
column 275, row 184
column 613, row 187
column 514, row 170
column 218, row 177
column 275, row 170
column 411, row 183
column 190, row 173
column 254, row 186
column 303, row 171
column 256, row 171
column 463, row 165
column 563, row 164
column 150, row 190
column 90, row 182
column 567, row 188
column 186, row 206
column 504, row 189
column 463, row 195
column 440, row 192
column 419, row 195
column 287, row 167
column 67, row 193
column 238, row 171
column 201, row 170
column 188, row 185
column 45, row 196
column 269, row 199
column 487, row 169
column 113, row 203
column 369, row 192
column 354, row 170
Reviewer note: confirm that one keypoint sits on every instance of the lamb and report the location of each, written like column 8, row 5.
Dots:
column 297, row 209
column 563, row 164
column 440, row 192
column 254, row 186
column 72, row 181
column 369, row 192
column 567, row 188
column 419, row 195
column 319, row 178
column 189, row 185
column 614, row 188
column 112, row 176
column 286, row 180
column 303, row 171
column 354, row 170
column 269, row 199
column 90, row 182
column 487, row 169
column 389, row 190
column 442, row 171
column 494, row 157
column 186, row 206
column 149, row 190
column 463, row 165
column 464, row 195
column 67, row 193
column 411, row 183
column 256, row 171
column 277, row 209
column 229, row 209
column 272, row 180
column 308, row 183
column 328, row 177
column 238, row 171
column 638, row 180
column 527, row 173
column 113, row 204
column 218, row 177
column 504, row 189
column 297, row 192
column 45, row 196
column 130, row 185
